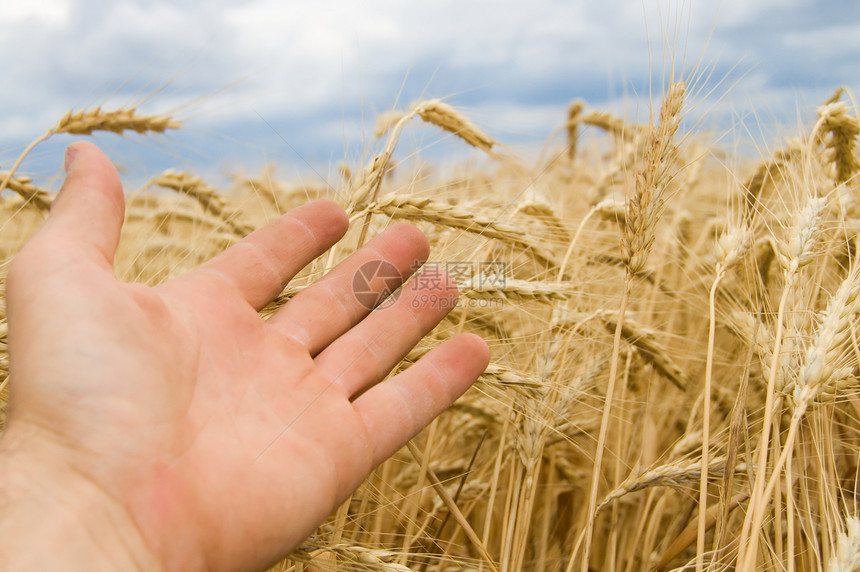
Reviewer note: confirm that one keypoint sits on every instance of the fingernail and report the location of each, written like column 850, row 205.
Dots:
column 71, row 151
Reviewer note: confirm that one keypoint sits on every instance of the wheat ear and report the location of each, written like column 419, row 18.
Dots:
column 518, row 290
column 674, row 474
column 846, row 557
column 838, row 130
column 646, row 205
column 574, row 118
column 213, row 203
column 435, row 112
column 458, row 217
column 648, row 348
column 362, row 558
column 84, row 122
column 25, row 188
column 442, row 115
column 613, row 125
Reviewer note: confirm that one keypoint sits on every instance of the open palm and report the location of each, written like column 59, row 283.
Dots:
column 225, row 438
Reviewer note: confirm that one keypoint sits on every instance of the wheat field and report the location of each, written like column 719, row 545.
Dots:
column 675, row 357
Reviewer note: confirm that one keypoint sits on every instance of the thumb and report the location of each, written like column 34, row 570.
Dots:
column 88, row 212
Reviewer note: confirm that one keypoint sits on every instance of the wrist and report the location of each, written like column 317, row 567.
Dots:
column 53, row 517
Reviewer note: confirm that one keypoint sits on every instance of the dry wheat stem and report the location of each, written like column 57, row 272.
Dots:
column 730, row 248
column 573, row 242
column 706, row 418
column 690, row 533
column 643, row 211
column 749, row 533
column 453, row 508
column 574, row 114
column 366, row 189
column 601, row 439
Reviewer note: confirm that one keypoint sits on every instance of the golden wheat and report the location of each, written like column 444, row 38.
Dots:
column 672, row 342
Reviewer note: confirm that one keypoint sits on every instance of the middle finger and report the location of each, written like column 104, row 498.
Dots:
column 325, row 310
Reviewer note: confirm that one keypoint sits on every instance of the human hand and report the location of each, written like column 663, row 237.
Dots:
column 171, row 427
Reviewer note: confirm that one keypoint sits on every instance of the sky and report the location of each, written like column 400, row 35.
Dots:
column 299, row 83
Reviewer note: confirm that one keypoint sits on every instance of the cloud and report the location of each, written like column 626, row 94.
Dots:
column 39, row 12
column 316, row 73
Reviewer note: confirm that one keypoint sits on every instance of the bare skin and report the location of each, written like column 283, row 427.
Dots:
column 173, row 428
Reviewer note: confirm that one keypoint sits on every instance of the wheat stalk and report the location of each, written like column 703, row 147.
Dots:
column 823, row 366
column 643, row 211
column 730, row 248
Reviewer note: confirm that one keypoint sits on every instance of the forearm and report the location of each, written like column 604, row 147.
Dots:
column 53, row 519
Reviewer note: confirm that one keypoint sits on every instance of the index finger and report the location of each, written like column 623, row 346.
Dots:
column 260, row 265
